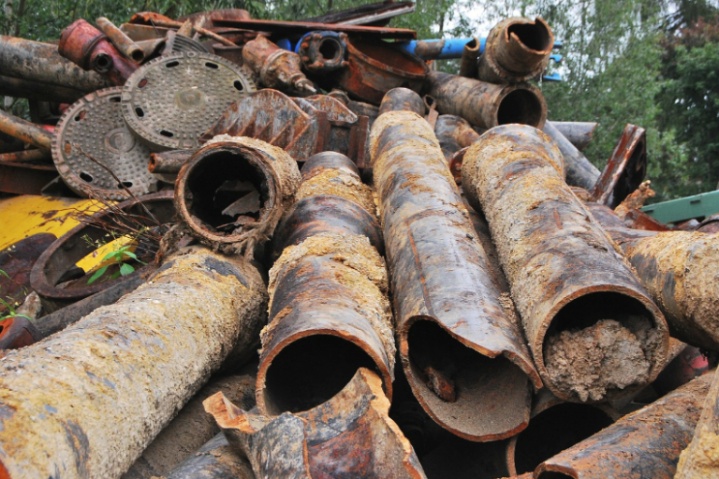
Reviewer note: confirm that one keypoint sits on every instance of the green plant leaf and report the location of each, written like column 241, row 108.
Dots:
column 126, row 269
column 97, row 274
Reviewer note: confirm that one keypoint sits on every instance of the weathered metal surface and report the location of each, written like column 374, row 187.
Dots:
column 193, row 427
column 40, row 62
column 168, row 161
column 158, row 20
column 688, row 363
column 234, row 190
column 679, row 269
column 16, row 262
column 699, row 459
column 25, row 178
column 517, row 50
column 51, row 269
column 555, row 426
column 276, row 67
column 645, row 443
column 470, row 55
column 375, row 67
column 24, row 130
column 454, row 134
column 216, row 459
column 378, row 13
column 402, row 99
column 625, row 169
column 579, row 133
column 709, row 225
column 170, row 101
column 96, row 154
column 485, row 104
column 579, row 170
column 460, row 347
column 120, row 40
column 350, row 435
column 17, row 332
column 322, row 52
column 89, row 48
column 291, row 28
column 566, row 276
column 34, row 90
column 114, row 379
column 26, row 156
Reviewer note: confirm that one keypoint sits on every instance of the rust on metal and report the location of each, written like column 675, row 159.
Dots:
column 25, row 178
column 470, row 55
column 16, row 262
column 136, row 363
column 375, row 67
column 486, row 105
column 625, row 169
column 579, row 170
column 402, row 99
column 168, row 161
column 27, row 156
column 34, row 90
column 579, row 133
column 576, row 295
column 120, row 40
column 678, row 268
column 455, row 134
column 233, row 192
column 323, row 53
column 351, row 435
column 89, row 48
column 216, row 459
column 25, row 131
column 517, row 50
column 286, row 28
column 645, row 443
column 17, row 332
column 448, row 309
column 276, row 67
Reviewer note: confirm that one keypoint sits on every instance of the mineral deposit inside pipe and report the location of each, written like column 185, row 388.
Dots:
column 461, row 349
column 591, row 326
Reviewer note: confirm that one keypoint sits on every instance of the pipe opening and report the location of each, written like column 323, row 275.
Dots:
column 520, row 106
column 601, row 343
column 463, row 387
column 534, row 36
column 310, row 371
column 226, row 191
column 331, row 49
column 554, row 430
column 554, row 475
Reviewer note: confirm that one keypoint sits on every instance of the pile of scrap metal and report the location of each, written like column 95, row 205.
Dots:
column 441, row 284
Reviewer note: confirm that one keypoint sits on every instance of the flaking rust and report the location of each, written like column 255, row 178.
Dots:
column 460, row 348
column 104, row 387
column 643, row 444
column 350, row 435
column 576, row 295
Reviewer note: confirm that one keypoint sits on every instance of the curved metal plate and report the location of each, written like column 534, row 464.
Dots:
column 95, row 153
column 169, row 102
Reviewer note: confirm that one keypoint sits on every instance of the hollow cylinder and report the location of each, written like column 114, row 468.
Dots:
column 486, row 105
column 680, row 270
column 402, row 99
column 120, row 40
column 25, row 131
column 275, row 67
column 110, row 382
column 579, row 133
column 516, row 50
column 234, row 190
column 574, row 291
column 645, row 443
column 470, row 56
column 460, row 346
column 579, row 170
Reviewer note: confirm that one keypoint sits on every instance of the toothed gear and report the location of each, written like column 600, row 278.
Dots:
column 96, row 154
column 170, row 101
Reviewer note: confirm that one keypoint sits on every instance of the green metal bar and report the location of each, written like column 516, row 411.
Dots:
column 681, row 209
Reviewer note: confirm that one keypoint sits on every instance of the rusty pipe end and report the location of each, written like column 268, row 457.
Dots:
column 328, row 159
column 398, row 99
column 522, row 104
column 77, row 40
column 517, row 50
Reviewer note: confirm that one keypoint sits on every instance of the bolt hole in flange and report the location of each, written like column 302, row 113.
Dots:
column 85, row 176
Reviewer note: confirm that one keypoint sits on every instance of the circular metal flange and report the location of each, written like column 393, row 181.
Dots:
column 96, row 154
column 169, row 102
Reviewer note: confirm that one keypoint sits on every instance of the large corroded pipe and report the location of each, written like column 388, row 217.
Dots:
column 276, row 67
column 517, row 50
column 25, row 131
column 699, row 459
column 40, row 62
column 591, row 326
column 455, row 134
column 680, row 271
column 579, row 170
column 460, row 346
column 645, row 443
column 234, row 190
column 216, row 459
column 486, row 105
column 91, row 398
column 579, row 133
column 351, row 435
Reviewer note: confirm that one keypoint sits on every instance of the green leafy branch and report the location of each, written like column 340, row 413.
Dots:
column 119, row 257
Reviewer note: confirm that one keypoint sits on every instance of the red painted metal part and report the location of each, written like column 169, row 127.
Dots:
column 17, row 332
column 625, row 169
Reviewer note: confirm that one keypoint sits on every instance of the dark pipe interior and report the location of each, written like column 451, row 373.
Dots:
column 534, row 35
column 590, row 308
column 554, row 430
column 209, row 183
column 520, row 106
column 331, row 49
column 554, row 475
column 311, row 371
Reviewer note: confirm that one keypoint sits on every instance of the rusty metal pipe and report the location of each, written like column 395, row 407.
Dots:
column 168, row 161
column 645, row 443
column 579, row 170
column 678, row 269
column 517, row 50
column 579, row 133
column 30, row 156
column 625, row 169
column 485, row 104
column 571, row 286
column 276, row 67
column 351, row 435
column 234, row 190
column 402, row 99
column 34, row 90
column 40, row 62
column 89, row 48
column 120, row 40
column 455, row 134
column 114, row 379
column 216, row 459
column 460, row 348
column 25, row 131
column 470, row 57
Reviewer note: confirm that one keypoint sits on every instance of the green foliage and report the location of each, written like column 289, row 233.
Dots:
column 118, row 257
